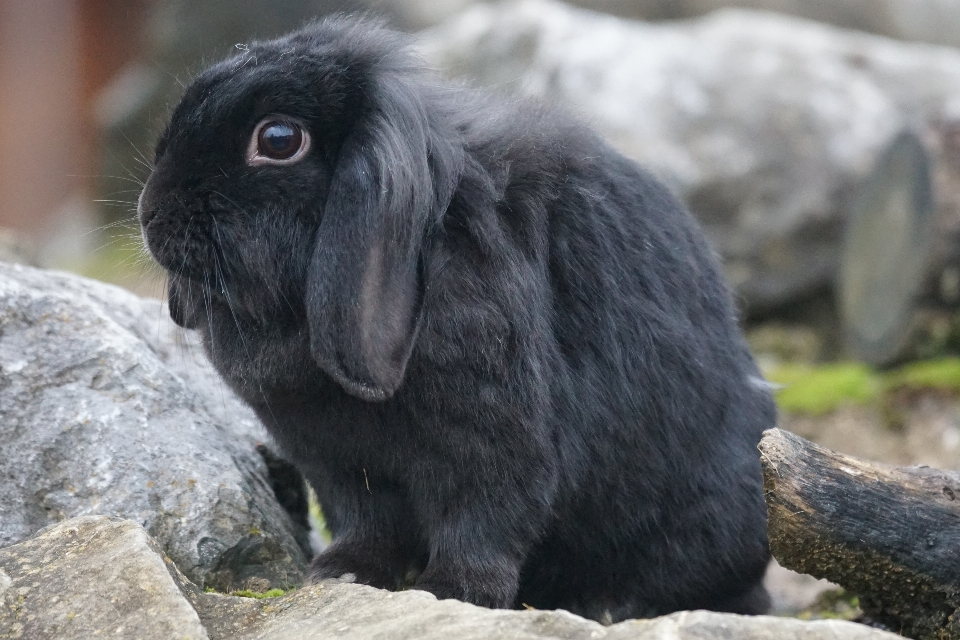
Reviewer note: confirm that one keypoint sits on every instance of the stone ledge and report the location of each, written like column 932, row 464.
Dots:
column 99, row 575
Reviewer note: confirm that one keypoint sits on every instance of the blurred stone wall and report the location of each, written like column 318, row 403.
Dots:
column 934, row 21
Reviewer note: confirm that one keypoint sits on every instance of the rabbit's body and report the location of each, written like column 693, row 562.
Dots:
column 532, row 391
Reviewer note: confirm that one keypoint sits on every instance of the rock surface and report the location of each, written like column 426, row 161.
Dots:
column 107, row 408
column 763, row 123
column 110, row 575
column 92, row 576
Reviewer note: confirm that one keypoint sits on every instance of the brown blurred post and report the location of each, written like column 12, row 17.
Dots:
column 55, row 56
column 41, row 149
column 112, row 34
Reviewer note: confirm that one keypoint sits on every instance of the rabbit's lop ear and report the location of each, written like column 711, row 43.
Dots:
column 180, row 299
column 394, row 175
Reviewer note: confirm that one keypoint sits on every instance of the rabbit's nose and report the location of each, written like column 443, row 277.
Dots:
column 146, row 207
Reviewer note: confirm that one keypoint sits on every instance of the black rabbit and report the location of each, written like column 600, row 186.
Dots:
column 502, row 353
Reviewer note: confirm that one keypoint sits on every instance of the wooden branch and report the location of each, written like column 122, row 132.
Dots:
column 889, row 534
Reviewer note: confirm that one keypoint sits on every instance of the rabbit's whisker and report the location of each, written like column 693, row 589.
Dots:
column 239, row 208
column 110, row 225
column 109, row 243
column 133, row 179
column 142, row 159
column 208, row 306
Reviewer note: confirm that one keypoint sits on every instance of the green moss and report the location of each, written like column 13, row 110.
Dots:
column 272, row 593
column 943, row 374
column 317, row 520
column 820, row 390
column 836, row 604
column 817, row 390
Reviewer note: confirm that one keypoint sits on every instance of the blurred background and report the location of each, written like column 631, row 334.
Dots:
column 817, row 141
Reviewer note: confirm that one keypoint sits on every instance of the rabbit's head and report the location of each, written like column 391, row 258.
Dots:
column 297, row 182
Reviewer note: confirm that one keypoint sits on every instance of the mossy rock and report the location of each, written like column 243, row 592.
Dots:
column 818, row 390
column 942, row 374
column 835, row 604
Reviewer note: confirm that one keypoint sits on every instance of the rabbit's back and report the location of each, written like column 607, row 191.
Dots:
column 654, row 406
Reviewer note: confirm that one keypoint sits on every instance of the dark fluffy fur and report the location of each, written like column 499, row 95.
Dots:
column 502, row 353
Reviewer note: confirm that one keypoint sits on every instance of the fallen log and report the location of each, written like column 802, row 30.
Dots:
column 900, row 259
column 889, row 534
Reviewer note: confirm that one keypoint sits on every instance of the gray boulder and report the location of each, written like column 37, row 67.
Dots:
column 107, row 408
column 93, row 576
column 101, row 576
column 764, row 124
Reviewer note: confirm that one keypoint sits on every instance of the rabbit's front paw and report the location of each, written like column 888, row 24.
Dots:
column 357, row 564
column 493, row 587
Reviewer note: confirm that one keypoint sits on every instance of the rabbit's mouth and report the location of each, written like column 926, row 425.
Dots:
column 180, row 243
column 176, row 233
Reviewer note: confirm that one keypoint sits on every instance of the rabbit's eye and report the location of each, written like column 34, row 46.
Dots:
column 277, row 142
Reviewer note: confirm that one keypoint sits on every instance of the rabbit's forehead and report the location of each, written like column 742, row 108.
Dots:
column 232, row 91
column 306, row 77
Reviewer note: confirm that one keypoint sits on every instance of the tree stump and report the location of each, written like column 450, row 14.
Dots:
column 886, row 251
column 889, row 534
column 900, row 257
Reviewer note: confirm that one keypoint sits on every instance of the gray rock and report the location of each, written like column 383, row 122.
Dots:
column 107, row 408
column 764, row 124
column 110, row 576
column 360, row 612
column 92, row 576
